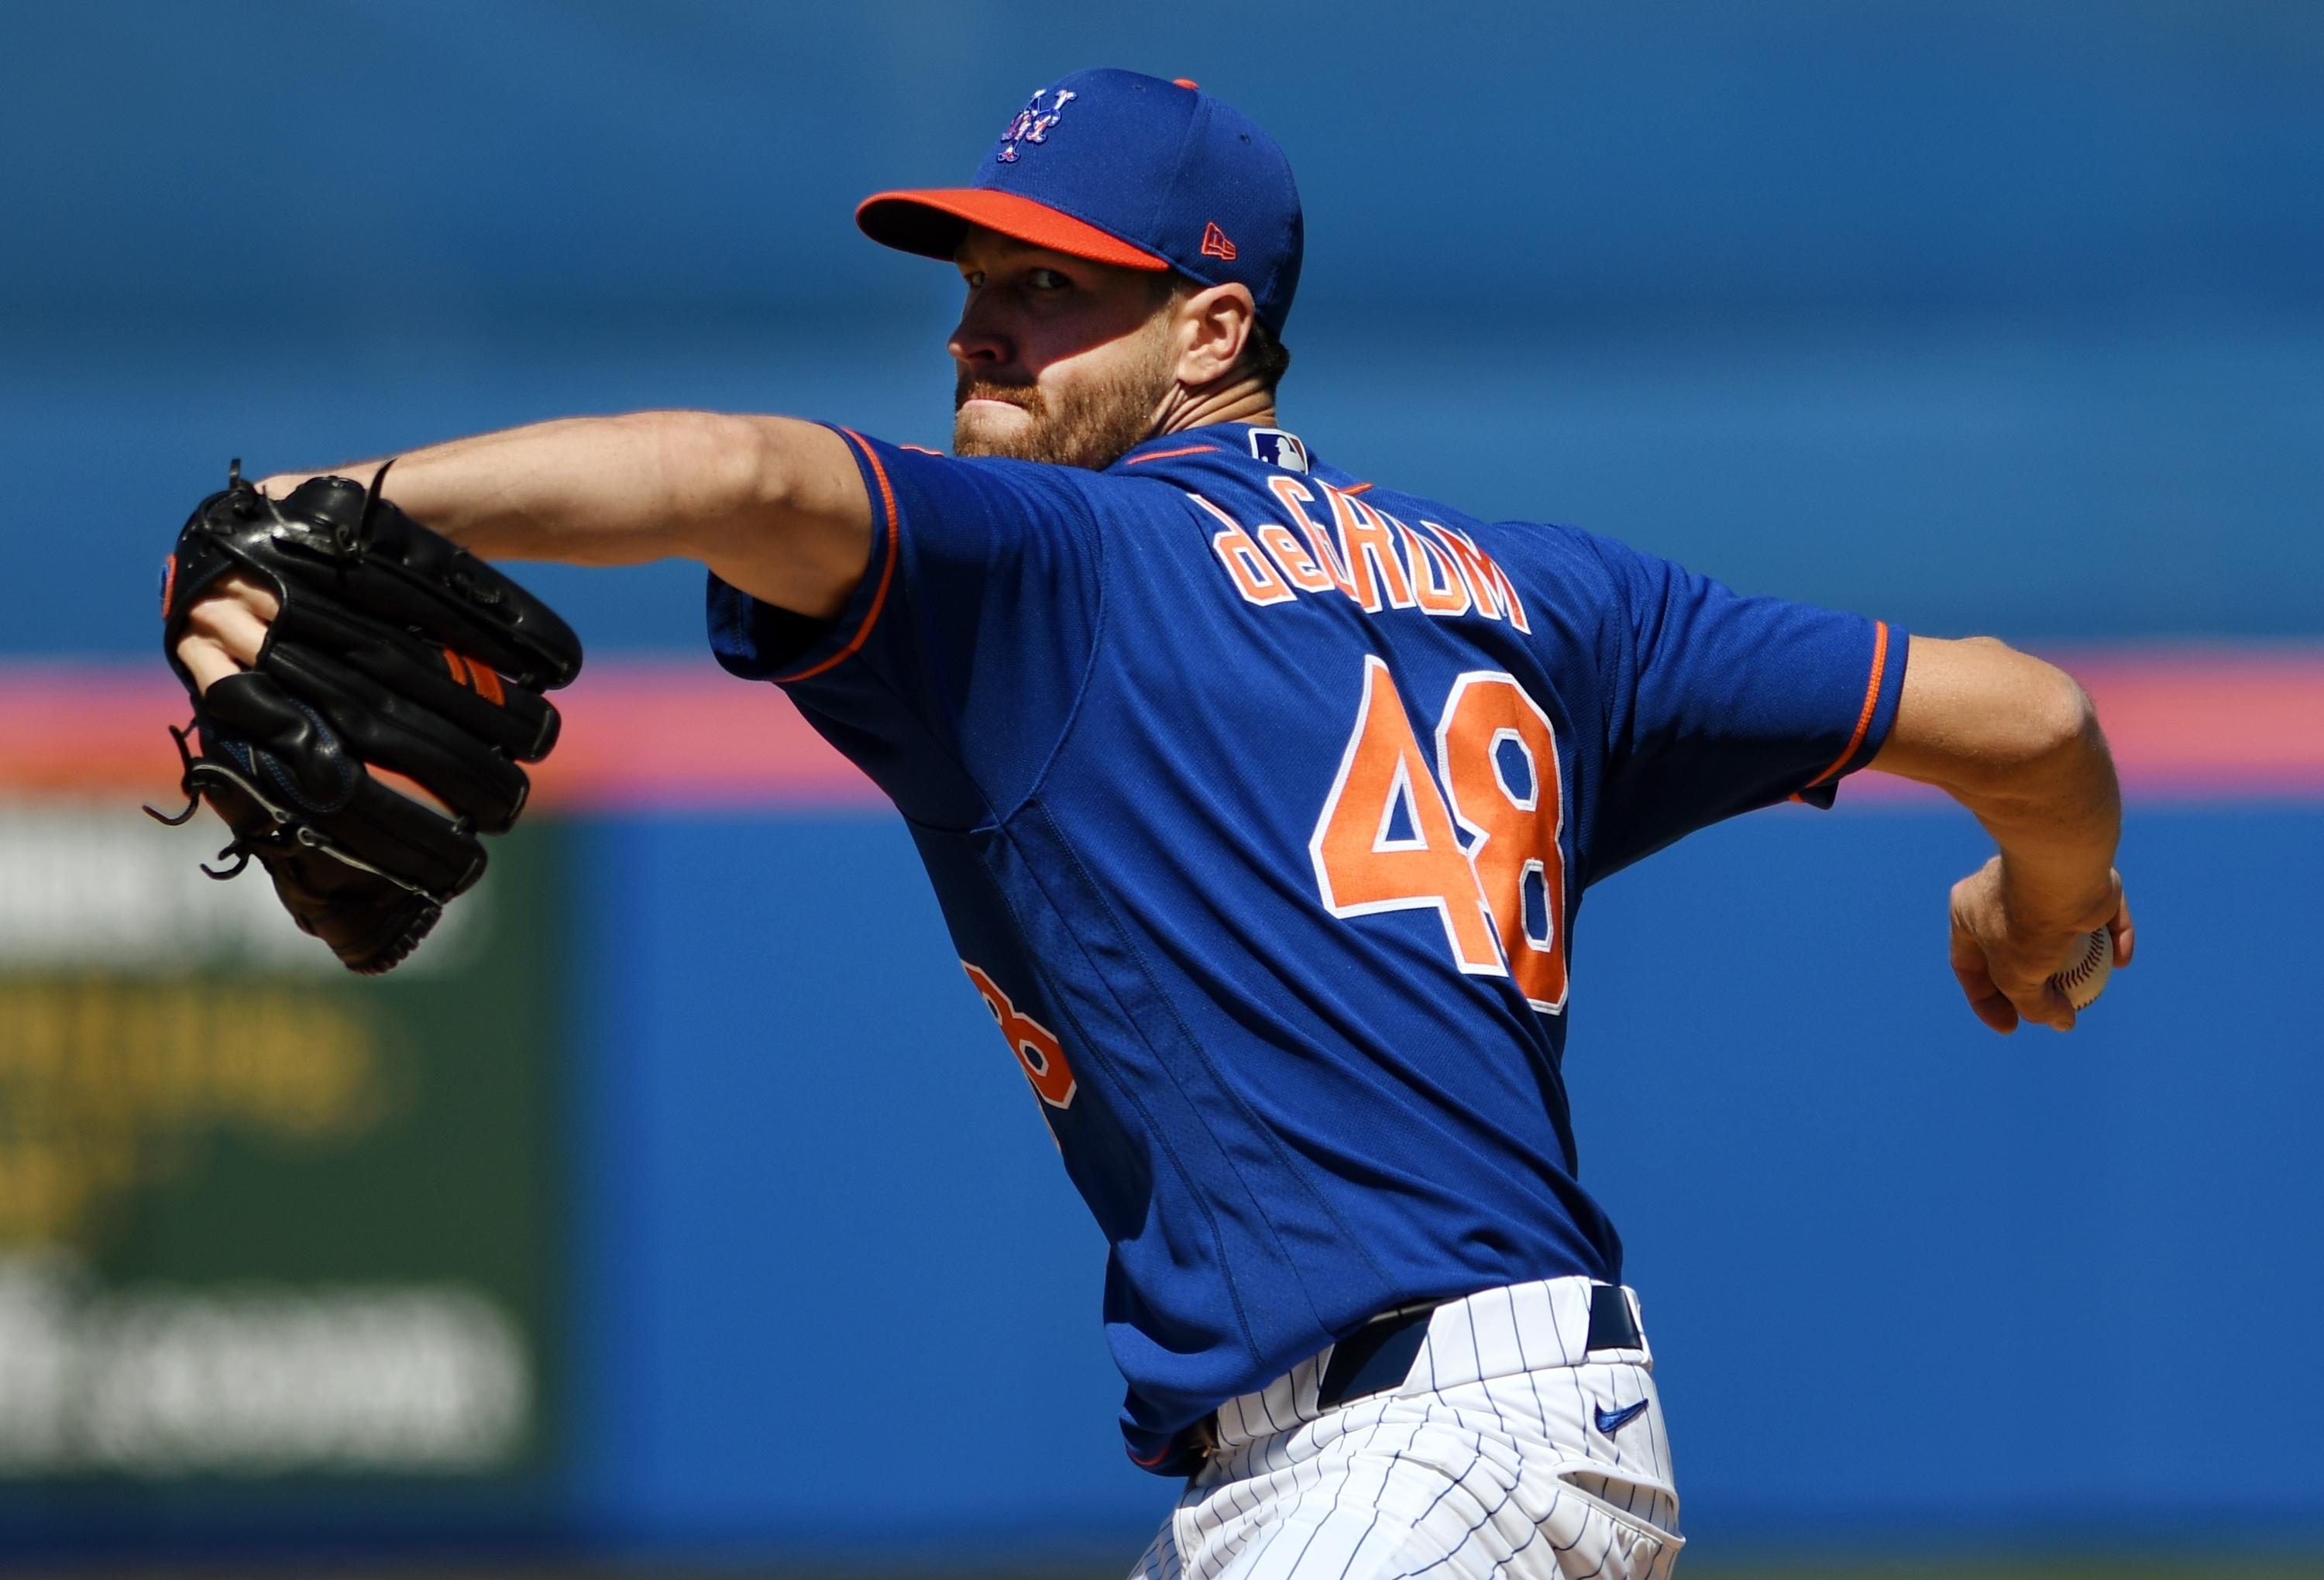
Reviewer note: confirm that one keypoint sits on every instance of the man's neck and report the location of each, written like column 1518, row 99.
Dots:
column 1243, row 400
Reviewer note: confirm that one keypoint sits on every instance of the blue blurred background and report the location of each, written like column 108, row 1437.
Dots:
column 1976, row 315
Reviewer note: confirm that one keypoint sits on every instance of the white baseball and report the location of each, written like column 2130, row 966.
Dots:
column 2084, row 978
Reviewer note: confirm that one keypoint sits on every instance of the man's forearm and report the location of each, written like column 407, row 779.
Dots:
column 772, row 504
column 2016, row 741
column 2056, row 821
column 589, row 490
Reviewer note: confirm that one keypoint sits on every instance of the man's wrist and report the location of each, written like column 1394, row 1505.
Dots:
column 282, row 483
column 2053, row 895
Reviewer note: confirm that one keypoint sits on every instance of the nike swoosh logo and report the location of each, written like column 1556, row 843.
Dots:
column 1611, row 1421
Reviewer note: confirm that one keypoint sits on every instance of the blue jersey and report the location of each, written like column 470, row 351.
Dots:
column 1261, row 801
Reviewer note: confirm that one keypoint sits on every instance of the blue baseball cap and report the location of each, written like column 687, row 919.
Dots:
column 1127, row 170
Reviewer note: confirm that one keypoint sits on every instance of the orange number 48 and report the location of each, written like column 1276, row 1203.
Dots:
column 1385, row 840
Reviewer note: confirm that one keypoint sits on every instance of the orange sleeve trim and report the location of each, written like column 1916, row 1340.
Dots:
column 887, row 568
column 1166, row 455
column 1356, row 490
column 1871, row 702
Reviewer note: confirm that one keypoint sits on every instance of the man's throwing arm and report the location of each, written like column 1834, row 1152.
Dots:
column 2016, row 741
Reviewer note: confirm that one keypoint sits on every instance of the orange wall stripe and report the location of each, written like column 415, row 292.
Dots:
column 644, row 731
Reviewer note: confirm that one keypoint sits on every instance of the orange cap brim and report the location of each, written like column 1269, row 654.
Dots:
column 933, row 222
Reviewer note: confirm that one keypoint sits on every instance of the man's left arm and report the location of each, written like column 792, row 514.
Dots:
column 773, row 505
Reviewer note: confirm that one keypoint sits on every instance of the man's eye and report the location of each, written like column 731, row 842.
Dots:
column 1047, row 280
column 972, row 278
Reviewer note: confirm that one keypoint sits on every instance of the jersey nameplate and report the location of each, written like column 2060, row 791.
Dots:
column 1361, row 552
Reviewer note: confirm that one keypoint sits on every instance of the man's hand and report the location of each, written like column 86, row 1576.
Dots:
column 226, row 629
column 336, row 650
column 2007, row 946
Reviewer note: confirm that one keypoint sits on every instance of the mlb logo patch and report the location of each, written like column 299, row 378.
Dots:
column 1277, row 449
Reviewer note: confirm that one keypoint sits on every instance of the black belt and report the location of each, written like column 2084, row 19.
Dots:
column 1379, row 1356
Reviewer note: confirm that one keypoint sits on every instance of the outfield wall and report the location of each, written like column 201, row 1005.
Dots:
column 686, row 1203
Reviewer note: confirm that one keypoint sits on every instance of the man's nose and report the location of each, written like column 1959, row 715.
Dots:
column 978, row 341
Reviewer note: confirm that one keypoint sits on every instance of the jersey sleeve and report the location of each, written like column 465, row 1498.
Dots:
column 1728, row 702
column 950, row 675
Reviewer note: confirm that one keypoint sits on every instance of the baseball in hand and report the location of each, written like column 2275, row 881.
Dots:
column 2084, row 977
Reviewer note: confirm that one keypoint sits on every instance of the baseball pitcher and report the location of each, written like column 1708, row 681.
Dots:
column 1260, row 797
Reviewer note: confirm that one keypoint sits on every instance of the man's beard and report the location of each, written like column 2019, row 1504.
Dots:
column 1090, row 428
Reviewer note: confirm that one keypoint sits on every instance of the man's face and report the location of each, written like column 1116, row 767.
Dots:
column 1059, row 359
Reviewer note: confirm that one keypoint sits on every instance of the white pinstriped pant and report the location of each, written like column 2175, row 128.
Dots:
column 1489, row 1461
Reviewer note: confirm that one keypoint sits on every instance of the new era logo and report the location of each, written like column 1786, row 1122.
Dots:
column 1215, row 243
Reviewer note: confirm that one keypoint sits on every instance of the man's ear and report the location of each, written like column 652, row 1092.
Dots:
column 1213, row 327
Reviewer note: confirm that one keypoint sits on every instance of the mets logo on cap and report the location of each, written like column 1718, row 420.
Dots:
column 1154, row 175
column 1033, row 123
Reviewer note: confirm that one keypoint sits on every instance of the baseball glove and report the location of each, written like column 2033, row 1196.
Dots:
column 395, row 649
